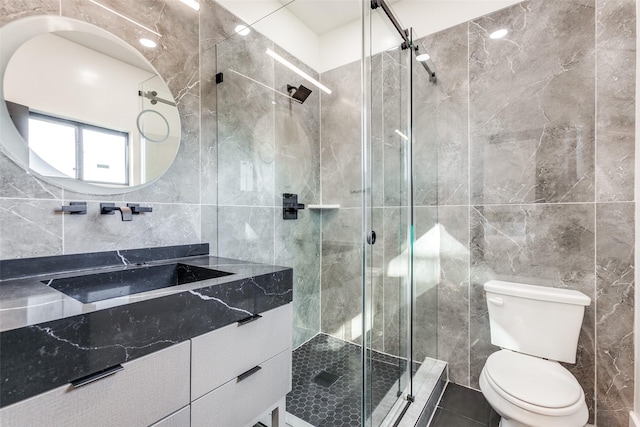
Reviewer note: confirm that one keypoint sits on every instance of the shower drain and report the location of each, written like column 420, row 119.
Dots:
column 325, row 378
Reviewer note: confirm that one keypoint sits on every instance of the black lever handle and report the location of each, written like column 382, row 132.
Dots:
column 76, row 208
column 137, row 209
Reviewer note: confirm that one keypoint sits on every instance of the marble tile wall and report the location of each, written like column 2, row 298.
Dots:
column 523, row 157
column 269, row 145
column 537, row 184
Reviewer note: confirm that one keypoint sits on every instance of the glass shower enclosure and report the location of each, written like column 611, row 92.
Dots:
column 338, row 134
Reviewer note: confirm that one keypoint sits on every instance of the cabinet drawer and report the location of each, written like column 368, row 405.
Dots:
column 241, row 403
column 223, row 354
column 145, row 391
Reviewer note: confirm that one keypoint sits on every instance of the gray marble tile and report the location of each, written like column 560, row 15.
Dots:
column 453, row 292
column 426, row 274
column 246, row 129
column 377, row 131
column 615, row 169
column 301, row 335
column 442, row 122
column 425, row 150
column 209, row 227
column 30, row 228
column 168, row 224
column 297, row 137
column 615, row 90
column 390, row 259
column 548, row 245
column 341, row 139
column 395, row 117
column 615, row 312
column 216, row 23
column 297, row 245
column 532, row 104
column 341, row 277
column 10, row 10
column 246, row 233
column 15, row 182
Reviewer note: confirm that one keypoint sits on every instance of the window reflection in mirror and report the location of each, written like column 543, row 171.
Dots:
column 80, row 151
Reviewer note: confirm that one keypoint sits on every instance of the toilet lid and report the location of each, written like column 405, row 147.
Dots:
column 530, row 379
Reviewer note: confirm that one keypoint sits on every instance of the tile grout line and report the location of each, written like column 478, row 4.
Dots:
column 595, row 220
column 468, row 61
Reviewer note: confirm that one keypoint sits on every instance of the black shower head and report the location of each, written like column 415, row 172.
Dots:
column 300, row 94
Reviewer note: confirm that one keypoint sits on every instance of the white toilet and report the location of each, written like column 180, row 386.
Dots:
column 536, row 327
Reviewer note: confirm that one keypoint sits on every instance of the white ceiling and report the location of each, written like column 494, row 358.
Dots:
column 322, row 16
column 325, row 34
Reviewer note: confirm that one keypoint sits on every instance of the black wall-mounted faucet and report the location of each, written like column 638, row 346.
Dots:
column 111, row 208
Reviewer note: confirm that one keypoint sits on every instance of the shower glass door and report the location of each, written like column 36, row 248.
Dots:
column 387, row 220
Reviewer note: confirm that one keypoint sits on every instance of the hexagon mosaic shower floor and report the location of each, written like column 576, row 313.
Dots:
column 327, row 382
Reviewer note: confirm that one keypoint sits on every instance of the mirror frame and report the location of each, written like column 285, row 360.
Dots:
column 13, row 36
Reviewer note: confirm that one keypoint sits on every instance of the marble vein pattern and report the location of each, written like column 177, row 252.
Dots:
column 248, row 233
column 246, row 130
column 615, row 288
column 30, row 227
column 94, row 231
column 39, row 357
column 341, row 276
column 341, row 141
column 23, row 267
column 297, row 245
column 615, row 89
column 440, row 120
column 532, row 104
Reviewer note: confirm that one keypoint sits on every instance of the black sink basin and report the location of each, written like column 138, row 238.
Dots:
column 101, row 286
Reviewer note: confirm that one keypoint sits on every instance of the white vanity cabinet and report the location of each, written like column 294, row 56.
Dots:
column 242, row 371
column 145, row 391
column 229, row 377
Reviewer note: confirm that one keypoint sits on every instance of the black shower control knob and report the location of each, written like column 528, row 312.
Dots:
column 371, row 237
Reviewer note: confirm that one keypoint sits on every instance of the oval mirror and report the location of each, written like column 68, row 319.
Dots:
column 83, row 109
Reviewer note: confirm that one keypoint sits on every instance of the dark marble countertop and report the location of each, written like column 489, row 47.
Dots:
column 48, row 339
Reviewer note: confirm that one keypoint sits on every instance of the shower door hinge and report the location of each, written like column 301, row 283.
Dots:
column 219, row 78
column 411, row 398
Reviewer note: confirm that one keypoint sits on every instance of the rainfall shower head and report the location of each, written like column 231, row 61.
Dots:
column 300, row 93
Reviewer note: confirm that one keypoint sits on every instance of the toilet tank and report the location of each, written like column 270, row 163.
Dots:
column 536, row 320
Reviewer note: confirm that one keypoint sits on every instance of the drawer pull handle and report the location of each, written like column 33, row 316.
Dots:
column 248, row 373
column 249, row 319
column 96, row 376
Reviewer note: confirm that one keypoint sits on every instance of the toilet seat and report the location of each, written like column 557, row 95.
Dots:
column 534, row 384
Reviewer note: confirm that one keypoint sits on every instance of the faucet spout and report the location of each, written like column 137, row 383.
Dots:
column 110, row 208
column 126, row 213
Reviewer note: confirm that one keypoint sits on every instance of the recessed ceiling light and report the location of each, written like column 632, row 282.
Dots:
column 192, row 4
column 423, row 57
column 148, row 43
column 243, row 30
column 498, row 34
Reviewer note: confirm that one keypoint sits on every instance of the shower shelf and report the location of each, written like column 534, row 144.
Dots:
column 323, row 207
